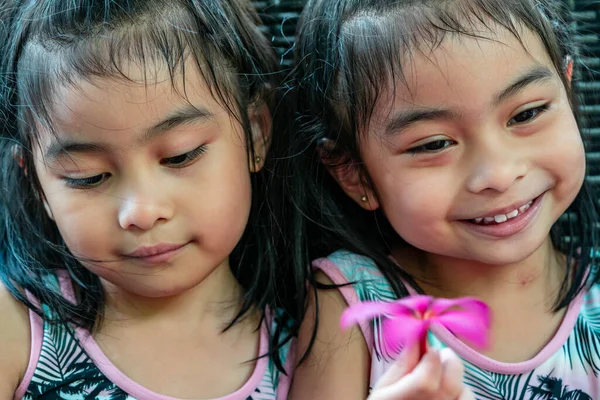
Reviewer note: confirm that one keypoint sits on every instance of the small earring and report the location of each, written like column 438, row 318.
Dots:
column 257, row 159
column 363, row 199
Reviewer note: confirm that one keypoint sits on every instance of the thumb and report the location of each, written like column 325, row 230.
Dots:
column 408, row 360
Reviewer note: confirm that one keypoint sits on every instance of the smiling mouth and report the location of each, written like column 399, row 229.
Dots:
column 152, row 251
column 502, row 218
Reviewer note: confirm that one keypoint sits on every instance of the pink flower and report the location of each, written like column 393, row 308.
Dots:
column 406, row 321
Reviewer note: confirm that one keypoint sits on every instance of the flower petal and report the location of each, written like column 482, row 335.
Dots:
column 470, row 304
column 367, row 310
column 402, row 331
column 465, row 325
column 419, row 303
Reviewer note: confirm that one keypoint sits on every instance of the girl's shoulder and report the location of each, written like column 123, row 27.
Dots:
column 362, row 278
column 320, row 339
column 358, row 279
column 14, row 342
column 590, row 307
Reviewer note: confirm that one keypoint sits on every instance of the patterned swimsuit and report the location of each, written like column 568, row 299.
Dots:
column 567, row 368
column 67, row 363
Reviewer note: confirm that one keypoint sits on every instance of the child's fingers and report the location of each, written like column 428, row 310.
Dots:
column 408, row 360
column 466, row 395
column 437, row 376
column 452, row 376
column 420, row 384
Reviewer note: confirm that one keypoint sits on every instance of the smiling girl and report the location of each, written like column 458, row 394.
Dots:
column 448, row 133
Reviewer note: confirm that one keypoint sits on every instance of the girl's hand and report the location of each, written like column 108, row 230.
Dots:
column 437, row 376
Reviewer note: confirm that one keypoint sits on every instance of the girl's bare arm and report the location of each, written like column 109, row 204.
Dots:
column 14, row 343
column 339, row 362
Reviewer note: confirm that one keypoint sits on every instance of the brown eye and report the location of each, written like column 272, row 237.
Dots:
column 185, row 159
column 527, row 115
column 431, row 147
column 87, row 183
column 437, row 145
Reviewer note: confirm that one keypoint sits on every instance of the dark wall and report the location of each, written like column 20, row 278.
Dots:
column 586, row 14
column 280, row 18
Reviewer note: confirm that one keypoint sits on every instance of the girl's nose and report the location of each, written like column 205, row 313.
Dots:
column 144, row 208
column 497, row 167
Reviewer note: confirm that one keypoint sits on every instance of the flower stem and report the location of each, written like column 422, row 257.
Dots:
column 423, row 345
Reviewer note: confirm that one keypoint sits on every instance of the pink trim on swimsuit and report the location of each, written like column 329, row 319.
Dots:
column 285, row 381
column 138, row 391
column 37, row 336
column 348, row 292
column 489, row 364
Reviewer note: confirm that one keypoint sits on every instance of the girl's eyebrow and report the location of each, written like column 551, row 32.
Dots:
column 57, row 149
column 405, row 118
column 535, row 75
column 179, row 117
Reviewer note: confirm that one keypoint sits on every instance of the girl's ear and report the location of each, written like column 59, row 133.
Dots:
column 348, row 175
column 569, row 69
column 17, row 153
column 47, row 208
column 18, row 156
column 261, row 125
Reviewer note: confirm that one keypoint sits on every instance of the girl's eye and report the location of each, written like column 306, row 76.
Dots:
column 527, row 115
column 185, row 159
column 431, row 147
column 87, row 183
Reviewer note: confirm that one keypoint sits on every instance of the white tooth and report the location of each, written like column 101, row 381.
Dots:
column 526, row 206
column 500, row 218
column 512, row 214
column 488, row 219
column 478, row 220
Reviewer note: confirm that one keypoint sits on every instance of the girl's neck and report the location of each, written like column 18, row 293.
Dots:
column 217, row 298
column 183, row 331
column 536, row 278
column 520, row 295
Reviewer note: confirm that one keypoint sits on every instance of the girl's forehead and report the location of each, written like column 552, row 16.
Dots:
column 125, row 114
column 142, row 91
column 92, row 78
column 459, row 62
